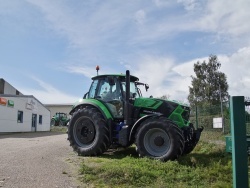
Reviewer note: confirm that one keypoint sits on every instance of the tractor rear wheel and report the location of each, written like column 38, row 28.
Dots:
column 88, row 132
column 159, row 138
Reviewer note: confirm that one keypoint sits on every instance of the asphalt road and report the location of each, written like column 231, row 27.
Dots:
column 41, row 159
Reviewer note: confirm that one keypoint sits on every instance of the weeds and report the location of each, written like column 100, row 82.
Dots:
column 58, row 129
column 207, row 166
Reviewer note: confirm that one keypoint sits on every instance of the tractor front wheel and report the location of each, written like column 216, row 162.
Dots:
column 52, row 122
column 160, row 139
column 88, row 132
column 61, row 123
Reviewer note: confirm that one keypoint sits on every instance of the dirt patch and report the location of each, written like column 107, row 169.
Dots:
column 38, row 159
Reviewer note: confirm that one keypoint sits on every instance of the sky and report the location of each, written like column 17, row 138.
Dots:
column 50, row 49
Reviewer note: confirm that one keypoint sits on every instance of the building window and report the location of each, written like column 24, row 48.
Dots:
column 20, row 117
column 40, row 119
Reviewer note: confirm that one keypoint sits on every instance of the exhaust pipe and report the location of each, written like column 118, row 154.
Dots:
column 127, row 124
column 127, row 120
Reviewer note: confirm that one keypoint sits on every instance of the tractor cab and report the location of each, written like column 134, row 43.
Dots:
column 111, row 90
column 61, row 116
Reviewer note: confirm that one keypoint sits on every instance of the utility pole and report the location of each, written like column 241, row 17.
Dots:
column 221, row 108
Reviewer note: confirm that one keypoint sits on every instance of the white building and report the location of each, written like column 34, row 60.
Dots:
column 21, row 113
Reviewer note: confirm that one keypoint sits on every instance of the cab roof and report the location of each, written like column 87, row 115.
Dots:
column 121, row 76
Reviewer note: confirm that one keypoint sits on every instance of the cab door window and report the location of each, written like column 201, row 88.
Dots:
column 92, row 89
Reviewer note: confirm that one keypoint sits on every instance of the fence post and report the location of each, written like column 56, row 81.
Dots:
column 239, row 144
column 196, row 117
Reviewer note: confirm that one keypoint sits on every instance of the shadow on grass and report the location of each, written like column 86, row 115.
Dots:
column 192, row 159
column 120, row 153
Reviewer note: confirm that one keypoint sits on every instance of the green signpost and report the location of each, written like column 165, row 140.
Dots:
column 239, row 144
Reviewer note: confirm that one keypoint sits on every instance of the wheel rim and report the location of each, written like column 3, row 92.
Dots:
column 157, row 142
column 84, row 132
column 52, row 122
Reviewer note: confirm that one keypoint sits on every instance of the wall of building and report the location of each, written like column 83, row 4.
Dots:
column 6, row 88
column 2, row 86
column 29, row 106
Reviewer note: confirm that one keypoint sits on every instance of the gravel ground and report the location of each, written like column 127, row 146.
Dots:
column 40, row 159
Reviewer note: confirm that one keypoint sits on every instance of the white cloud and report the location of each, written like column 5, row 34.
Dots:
column 86, row 71
column 125, row 65
column 95, row 28
column 189, row 5
column 226, row 20
column 226, row 17
column 96, row 21
column 87, row 25
column 140, row 16
column 157, row 72
column 93, row 25
column 162, row 3
column 236, row 67
column 164, row 77
column 187, row 68
column 48, row 94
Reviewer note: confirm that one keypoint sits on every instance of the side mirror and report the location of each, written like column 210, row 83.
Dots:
column 84, row 97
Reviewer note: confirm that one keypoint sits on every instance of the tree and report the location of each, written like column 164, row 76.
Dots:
column 209, row 85
column 165, row 97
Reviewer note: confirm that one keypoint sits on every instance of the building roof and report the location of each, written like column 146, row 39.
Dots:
column 23, row 96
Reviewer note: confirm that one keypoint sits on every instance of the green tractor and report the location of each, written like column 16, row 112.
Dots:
column 59, row 119
column 114, row 114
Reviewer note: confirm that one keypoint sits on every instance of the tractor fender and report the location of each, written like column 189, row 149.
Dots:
column 94, row 103
column 139, row 121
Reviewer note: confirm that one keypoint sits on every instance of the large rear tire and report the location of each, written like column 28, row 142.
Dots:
column 88, row 132
column 159, row 138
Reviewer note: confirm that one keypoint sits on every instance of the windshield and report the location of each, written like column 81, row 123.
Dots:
column 112, row 91
column 134, row 92
column 109, row 89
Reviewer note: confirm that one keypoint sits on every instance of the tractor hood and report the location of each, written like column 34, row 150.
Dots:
column 174, row 110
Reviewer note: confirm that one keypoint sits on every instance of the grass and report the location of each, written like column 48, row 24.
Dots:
column 212, row 135
column 62, row 129
column 207, row 166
